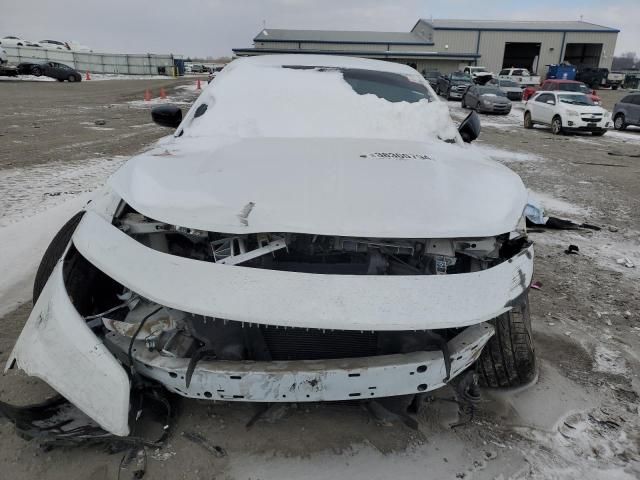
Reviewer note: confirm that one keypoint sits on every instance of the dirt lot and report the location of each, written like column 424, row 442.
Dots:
column 580, row 420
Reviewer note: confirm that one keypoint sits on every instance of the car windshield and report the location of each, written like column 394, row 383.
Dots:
column 491, row 91
column 575, row 99
column 461, row 77
column 508, row 83
column 574, row 87
column 258, row 99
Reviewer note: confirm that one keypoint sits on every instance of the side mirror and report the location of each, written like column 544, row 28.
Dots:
column 167, row 115
column 469, row 129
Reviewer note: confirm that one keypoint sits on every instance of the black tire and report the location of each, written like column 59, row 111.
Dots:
column 71, row 78
column 37, row 71
column 54, row 251
column 615, row 87
column 599, row 134
column 509, row 359
column 619, row 122
column 528, row 123
column 556, row 125
column 463, row 102
column 448, row 95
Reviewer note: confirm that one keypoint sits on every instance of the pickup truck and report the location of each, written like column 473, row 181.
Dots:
column 615, row 80
column 478, row 74
column 453, row 85
column 519, row 75
column 562, row 85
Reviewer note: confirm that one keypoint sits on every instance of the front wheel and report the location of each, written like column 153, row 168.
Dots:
column 463, row 103
column 54, row 252
column 618, row 122
column 508, row 359
column 71, row 78
column 37, row 71
column 528, row 123
column 556, row 126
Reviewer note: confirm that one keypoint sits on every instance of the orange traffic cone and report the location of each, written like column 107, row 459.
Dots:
column 198, row 87
column 147, row 95
column 88, row 76
column 163, row 94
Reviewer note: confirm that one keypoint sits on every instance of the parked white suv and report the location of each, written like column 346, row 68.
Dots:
column 566, row 111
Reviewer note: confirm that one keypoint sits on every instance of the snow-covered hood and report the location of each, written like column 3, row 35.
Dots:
column 347, row 187
column 585, row 108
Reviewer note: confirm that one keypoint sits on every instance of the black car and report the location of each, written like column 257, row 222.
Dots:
column 453, row 85
column 432, row 78
column 59, row 71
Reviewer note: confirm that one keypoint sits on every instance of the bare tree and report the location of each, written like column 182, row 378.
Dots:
column 625, row 61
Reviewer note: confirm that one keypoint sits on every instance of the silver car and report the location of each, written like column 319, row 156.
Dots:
column 509, row 87
column 487, row 99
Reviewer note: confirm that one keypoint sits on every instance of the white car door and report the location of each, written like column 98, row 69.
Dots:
column 542, row 111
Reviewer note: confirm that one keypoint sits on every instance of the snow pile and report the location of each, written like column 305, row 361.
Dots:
column 253, row 100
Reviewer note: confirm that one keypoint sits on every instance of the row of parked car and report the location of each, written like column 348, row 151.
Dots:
column 563, row 105
column 59, row 71
column 13, row 41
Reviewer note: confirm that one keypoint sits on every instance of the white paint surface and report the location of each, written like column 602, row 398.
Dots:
column 57, row 346
column 343, row 302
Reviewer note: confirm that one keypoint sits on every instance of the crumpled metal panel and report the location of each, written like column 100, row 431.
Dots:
column 57, row 346
column 341, row 302
column 312, row 380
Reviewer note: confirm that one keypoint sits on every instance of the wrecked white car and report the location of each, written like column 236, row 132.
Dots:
column 314, row 230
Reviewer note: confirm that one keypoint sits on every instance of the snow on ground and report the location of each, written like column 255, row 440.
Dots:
column 505, row 156
column 30, row 217
column 49, row 185
column 94, row 77
column 28, row 78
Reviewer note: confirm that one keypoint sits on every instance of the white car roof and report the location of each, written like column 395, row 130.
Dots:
column 326, row 61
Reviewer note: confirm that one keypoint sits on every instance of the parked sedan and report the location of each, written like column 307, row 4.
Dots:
column 627, row 112
column 488, row 99
column 59, row 71
column 509, row 87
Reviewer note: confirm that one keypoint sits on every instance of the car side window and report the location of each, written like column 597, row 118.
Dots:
column 543, row 98
column 636, row 99
column 517, row 72
column 504, row 72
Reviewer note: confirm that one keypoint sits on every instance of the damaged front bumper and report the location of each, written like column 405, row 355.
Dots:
column 58, row 346
column 310, row 380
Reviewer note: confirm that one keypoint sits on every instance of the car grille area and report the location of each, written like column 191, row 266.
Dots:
column 303, row 344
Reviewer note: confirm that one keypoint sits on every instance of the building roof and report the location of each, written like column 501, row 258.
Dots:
column 533, row 25
column 359, row 53
column 340, row 36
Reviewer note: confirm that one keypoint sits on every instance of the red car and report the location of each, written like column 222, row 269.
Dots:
column 566, row 85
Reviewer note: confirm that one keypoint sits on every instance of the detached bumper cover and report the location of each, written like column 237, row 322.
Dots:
column 291, row 299
column 57, row 346
column 312, row 380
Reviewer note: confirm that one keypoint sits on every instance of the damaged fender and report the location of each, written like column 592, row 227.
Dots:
column 57, row 346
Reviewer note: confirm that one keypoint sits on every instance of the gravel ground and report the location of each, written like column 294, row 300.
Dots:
column 580, row 420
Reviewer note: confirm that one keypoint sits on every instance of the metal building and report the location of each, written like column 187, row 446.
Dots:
column 449, row 45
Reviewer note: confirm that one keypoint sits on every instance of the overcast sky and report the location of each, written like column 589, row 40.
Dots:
column 214, row 27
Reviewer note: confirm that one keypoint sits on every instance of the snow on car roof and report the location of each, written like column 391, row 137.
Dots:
column 296, row 96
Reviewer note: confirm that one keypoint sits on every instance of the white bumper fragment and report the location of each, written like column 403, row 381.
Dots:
column 292, row 299
column 312, row 380
column 57, row 346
